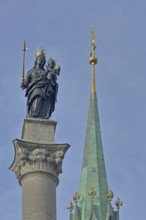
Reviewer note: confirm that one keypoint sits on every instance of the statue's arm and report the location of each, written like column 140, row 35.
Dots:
column 26, row 82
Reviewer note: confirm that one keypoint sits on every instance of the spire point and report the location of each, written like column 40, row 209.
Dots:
column 93, row 60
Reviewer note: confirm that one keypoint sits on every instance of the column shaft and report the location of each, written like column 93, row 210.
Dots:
column 38, row 197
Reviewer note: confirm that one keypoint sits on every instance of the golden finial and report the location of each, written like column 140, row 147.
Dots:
column 24, row 49
column 118, row 203
column 92, row 193
column 110, row 195
column 93, row 37
column 40, row 53
column 76, row 197
column 70, row 206
column 93, row 59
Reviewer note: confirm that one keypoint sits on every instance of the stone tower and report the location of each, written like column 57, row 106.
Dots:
column 93, row 200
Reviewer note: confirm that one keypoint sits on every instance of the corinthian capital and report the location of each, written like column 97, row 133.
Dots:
column 31, row 157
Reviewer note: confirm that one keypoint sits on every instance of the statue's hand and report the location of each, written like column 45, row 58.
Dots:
column 23, row 86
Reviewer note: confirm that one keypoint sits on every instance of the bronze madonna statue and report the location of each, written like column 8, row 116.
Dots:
column 41, row 87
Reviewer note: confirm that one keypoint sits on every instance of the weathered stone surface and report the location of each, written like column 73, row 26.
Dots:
column 38, row 130
column 38, row 197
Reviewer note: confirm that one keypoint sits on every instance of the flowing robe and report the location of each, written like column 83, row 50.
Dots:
column 41, row 94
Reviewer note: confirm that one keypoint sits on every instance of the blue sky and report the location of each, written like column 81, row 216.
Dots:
column 63, row 28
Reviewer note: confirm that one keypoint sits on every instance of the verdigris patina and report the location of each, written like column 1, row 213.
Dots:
column 41, row 87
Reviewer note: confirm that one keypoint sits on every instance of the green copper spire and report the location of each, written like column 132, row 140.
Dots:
column 93, row 200
column 93, row 174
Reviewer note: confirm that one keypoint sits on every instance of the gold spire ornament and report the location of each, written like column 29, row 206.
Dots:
column 24, row 49
column 118, row 203
column 92, row 193
column 70, row 206
column 76, row 197
column 93, row 60
column 110, row 195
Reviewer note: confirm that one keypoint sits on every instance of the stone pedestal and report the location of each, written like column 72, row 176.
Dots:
column 37, row 165
column 38, row 130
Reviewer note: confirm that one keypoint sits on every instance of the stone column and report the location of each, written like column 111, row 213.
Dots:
column 37, row 165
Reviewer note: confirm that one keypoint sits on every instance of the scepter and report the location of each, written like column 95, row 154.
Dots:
column 23, row 65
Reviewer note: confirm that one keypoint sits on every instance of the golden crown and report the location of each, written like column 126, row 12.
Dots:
column 40, row 53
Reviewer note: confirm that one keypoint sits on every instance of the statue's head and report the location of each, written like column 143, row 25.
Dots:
column 51, row 63
column 40, row 58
